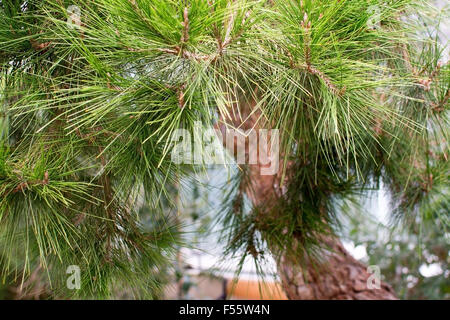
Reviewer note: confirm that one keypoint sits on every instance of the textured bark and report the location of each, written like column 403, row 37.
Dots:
column 339, row 275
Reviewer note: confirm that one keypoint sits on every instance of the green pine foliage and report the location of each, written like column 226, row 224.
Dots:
column 89, row 108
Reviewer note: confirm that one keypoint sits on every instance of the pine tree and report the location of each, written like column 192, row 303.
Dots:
column 92, row 93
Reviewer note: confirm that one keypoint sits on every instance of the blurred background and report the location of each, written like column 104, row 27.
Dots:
column 415, row 262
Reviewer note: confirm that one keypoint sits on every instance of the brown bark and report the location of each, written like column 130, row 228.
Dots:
column 339, row 275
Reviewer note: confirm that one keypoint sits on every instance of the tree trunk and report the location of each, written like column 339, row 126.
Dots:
column 339, row 276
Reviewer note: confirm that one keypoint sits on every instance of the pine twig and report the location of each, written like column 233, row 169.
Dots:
column 439, row 107
column 27, row 184
column 185, row 24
